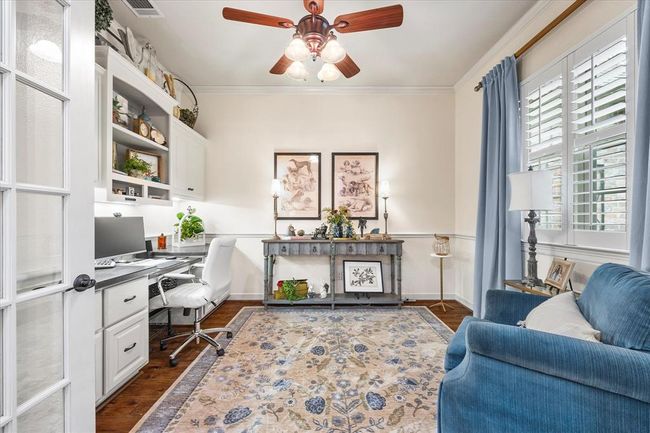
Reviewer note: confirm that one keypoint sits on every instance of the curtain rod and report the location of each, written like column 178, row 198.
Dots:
column 546, row 30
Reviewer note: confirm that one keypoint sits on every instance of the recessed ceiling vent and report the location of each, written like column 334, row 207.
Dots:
column 144, row 8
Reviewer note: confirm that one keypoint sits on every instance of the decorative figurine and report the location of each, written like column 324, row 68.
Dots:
column 320, row 232
column 362, row 225
column 301, row 232
column 291, row 230
column 324, row 291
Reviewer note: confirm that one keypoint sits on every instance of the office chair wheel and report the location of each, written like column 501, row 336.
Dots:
column 173, row 362
column 229, row 334
column 221, row 352
column 163, row 346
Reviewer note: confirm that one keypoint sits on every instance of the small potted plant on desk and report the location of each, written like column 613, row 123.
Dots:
column 189, row 230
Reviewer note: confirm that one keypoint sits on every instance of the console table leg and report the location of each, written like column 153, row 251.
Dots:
column 399, row 279
column 392, row 274
column 266, row 280
column 332, row 278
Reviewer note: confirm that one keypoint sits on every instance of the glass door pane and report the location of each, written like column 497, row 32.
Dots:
column 45, row 417
column 39, row 40
column 39, row 255
column 39, row 342
column 39, row 137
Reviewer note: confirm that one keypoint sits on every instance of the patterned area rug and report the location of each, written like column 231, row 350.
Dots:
column 296, row 370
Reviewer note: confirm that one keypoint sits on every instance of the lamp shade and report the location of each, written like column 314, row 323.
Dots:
column 531, row 190
column 276, row 187
column 384, row 189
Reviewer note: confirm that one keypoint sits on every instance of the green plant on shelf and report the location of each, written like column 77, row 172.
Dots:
column 290, row 288
column 136, row 167
column 191, row 226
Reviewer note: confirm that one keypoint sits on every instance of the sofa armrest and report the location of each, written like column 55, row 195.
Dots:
column 609, row 368
column 508, row 308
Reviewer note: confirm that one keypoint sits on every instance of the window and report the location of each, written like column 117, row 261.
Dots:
column 577, row 121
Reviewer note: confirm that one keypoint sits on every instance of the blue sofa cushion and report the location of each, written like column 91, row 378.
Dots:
column 456, row 348
column 616, row 302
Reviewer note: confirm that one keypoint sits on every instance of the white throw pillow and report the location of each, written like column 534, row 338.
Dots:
column 560, row 315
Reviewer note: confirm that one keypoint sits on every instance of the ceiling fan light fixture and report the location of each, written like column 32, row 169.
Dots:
column 297, row 71
column 297, row 50
column 329, row 72
column 332, row 52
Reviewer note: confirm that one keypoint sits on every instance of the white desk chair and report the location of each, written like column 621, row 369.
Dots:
column 194, row 293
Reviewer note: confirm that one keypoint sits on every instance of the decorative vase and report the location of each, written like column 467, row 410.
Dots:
column 337, row 230
column 349, row 231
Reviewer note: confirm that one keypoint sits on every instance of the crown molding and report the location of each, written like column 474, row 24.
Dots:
column 325, row 90
column 521, row 24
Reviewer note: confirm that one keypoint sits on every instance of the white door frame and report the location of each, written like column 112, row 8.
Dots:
column 77, row 198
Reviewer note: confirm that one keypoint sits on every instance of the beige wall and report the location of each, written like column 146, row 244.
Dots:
column 586, row 21
column 413, row 134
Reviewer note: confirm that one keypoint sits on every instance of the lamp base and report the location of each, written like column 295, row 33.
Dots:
column 532, row 282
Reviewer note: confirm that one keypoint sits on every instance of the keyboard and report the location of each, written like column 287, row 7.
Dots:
column 104, row 264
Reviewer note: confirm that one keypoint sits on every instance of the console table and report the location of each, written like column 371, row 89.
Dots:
column 333, row 248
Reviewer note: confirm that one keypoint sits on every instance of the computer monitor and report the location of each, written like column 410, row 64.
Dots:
column 118, row 236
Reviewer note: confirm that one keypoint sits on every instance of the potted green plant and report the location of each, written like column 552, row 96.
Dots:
column 339, row 222
column 136, row 167
column 189, row 230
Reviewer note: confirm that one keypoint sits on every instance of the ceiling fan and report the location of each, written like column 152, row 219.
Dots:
column 314, row 37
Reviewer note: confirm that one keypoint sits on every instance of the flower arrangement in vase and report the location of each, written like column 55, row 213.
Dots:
column 339, row 222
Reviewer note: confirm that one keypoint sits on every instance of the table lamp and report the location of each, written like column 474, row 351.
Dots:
column 276, row 190
column 384, row 192
column 531, row 191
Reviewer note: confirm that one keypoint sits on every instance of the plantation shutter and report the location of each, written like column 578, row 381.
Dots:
column 544, row 135
column 598, row 103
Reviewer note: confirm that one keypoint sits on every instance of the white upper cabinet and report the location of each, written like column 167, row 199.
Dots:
column 188, row 156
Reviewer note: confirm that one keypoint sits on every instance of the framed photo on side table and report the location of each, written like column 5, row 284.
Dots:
column 362, row 276
column 355, row 178
column 559, row 273
column 299, row 174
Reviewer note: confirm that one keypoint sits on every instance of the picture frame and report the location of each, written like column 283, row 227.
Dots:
column 300, row 176
column 355, row 183
column 151, row 158
column 363, row 276
column 559, row 273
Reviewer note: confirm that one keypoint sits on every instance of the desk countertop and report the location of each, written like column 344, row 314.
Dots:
column 199, row 250
column 121, row 274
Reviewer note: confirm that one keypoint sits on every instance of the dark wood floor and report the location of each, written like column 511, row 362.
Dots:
column 121, row 413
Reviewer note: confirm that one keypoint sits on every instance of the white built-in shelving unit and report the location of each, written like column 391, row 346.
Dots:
column 182, row 157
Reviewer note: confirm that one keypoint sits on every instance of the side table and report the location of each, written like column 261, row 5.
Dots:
column 540, row 291
column 442, row 299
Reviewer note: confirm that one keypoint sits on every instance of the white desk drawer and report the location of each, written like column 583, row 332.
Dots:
column 126, row 349
column 124, row 300
column 98, row 311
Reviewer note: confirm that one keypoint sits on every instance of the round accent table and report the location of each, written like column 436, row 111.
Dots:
column 442, row 298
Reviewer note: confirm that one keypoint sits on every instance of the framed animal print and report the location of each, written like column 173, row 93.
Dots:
column 355, row 183
column 362, row 276
column 299, row 174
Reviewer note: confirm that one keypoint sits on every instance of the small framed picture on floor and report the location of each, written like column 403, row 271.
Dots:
column 362, row 276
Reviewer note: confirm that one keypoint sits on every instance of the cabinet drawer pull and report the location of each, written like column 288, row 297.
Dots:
column 126, row 349
column 130, row 299
column 190, row 189
column 284, row 248
column 129, row 198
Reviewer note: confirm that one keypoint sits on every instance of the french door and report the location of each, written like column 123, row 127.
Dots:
column 46, row 211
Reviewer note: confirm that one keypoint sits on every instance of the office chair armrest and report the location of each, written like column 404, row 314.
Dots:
column 179, row 276
column 198, row 265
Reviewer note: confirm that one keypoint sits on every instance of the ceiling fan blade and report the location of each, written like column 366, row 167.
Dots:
column 348, row 67
column 281, row 66
column 372, row 19
column 255, row 18
column 314, row 6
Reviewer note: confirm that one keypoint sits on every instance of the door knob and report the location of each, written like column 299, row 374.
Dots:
column 83, row 282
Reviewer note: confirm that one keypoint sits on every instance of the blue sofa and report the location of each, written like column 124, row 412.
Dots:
column 504, row 379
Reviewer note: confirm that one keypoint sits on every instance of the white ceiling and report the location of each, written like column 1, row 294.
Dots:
column 437, row 43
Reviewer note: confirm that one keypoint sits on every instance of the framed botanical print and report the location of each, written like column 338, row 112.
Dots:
column 299, row 174
column 354, row 183
column 362, row 276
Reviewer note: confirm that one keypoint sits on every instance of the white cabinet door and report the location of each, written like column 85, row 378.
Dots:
column 126, row 349
column 188, row 151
